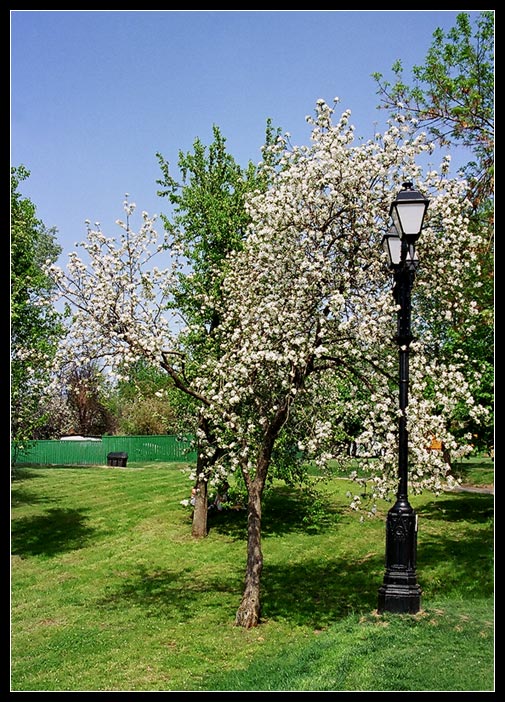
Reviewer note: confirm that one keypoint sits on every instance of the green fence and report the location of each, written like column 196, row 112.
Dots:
column 94, row 452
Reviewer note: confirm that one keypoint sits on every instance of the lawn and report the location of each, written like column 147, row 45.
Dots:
column 111, row 593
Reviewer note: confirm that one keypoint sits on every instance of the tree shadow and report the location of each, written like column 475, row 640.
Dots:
column 311, row 592
column 162, row 593
column 284, row 510
column 56, row 531
column 19, row 473
column 463, row 565
column 22, row 496
column 475, row 507
column 316, row 594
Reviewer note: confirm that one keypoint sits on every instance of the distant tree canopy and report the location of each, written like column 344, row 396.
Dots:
column 35, row 324
column 145, row 402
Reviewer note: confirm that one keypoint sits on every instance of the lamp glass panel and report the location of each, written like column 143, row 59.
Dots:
column 408, row 217
column 394, row 245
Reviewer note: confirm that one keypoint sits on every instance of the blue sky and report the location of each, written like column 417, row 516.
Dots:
column 95, row 94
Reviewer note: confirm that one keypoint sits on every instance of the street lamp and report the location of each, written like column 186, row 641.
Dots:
column 400, row 592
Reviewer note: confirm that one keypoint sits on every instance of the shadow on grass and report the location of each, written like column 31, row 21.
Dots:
column 463, row 566
column 318, row 593
column 310, row 592
column 56, row 531
column 460, row 507
column 19, row 473
column 22, row 496
column 283, row 511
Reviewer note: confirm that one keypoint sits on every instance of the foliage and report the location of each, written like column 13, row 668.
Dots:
column 144, row 402
column 35, row 325
column 209, row 221
column 452, row 97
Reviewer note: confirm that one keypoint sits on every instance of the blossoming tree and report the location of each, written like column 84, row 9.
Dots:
column 307, row 315
column 309, row 312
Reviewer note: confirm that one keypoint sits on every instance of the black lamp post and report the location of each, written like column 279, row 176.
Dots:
column 400, row 592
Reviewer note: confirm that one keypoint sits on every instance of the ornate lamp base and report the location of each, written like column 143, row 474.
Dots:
column 400, row 592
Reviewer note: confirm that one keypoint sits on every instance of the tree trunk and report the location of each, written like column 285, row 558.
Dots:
column 248, row 614
column 204, row 468
column 199, row 526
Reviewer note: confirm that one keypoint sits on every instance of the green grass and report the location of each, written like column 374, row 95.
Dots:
column 111, row 592
column 477, row 471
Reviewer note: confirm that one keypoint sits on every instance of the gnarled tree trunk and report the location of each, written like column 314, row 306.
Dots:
column 249, row 612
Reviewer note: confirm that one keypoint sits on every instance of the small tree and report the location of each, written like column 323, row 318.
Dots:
column 209, row 222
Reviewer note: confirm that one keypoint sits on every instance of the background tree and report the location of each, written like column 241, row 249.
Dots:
column 35, row 324
column 76, row 402
column 451, row 95
column 145, row 403
column 86, row 396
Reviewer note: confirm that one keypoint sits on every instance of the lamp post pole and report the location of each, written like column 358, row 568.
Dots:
column 400, row 592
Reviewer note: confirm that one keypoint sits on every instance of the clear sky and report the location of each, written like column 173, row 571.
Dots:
column 95, row 94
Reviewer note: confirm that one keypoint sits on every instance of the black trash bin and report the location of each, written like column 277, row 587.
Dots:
column 117, row 458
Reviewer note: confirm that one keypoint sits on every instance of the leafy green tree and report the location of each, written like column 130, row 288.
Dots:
column 35, row 324
column 209, row 222
column 452, row 97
